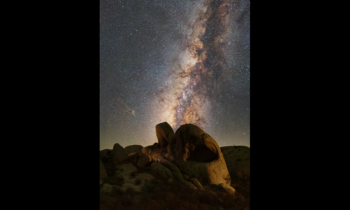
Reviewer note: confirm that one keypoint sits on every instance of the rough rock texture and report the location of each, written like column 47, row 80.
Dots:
column 154, row 151
column 198, row 155
column 237, row 159
column 103, row 173
column 162, row 171
column 130, row 181
column 133, row 148
column 228, row 188
column 166, row 137
column 164, row 134
column 119, row 155
column 143, row 160
column 175, row 171
column 190, row 155
column 125, row 169
column 196, row 183
column 133, row 158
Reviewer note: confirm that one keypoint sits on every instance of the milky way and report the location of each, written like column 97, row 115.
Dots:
column 194, row 76
column 175, row 61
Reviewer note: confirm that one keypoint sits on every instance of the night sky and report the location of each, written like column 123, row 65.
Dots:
column 175, row 61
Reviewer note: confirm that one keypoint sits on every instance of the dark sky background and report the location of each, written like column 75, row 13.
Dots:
column 179, row 61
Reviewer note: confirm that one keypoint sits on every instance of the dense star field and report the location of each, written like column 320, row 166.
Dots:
column 175, row 61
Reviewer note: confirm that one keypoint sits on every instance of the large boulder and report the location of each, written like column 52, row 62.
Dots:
column 237, row 159
column 136, row 182
column 133, row 158
column 164, row 134
column 197, row 154
column 161, row 171
column 166, row 139
column 125, row 169
column 106, row 155
column 154, row 151
column 119, row 154
column 133, row 148
column 143, row 160
column 103, row 173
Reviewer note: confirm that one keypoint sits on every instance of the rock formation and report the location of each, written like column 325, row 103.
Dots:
column 198, row 155
column 161, row 171
column 119, row 155
column 126, row 171
column 143, row 160
column 133, row 158
column 189, row 155
column 133, row 148
column 164, row 134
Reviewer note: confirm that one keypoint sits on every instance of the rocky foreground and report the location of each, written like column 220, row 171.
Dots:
column 189, row 158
